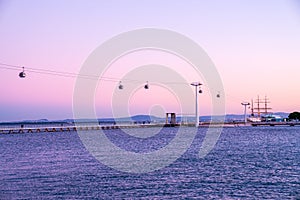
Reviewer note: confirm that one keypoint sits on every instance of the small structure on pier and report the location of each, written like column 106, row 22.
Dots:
column 172, row 121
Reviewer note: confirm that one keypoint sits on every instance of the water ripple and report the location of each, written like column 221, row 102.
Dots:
column 247, row 163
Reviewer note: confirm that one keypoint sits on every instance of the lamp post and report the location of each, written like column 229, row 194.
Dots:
column 196, row 84
column 245, row 104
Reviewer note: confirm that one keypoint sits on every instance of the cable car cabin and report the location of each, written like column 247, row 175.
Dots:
column 146, row 86
column 120, row 85
column 22, row 75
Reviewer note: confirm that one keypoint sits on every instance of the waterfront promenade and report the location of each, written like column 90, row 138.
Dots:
column 40, row 129
column 69, row 128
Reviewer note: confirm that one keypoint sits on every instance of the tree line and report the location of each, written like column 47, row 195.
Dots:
column 294, row 116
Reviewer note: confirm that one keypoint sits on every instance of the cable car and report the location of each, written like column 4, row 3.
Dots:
column 120, row 86
column 200, row 90
column 146, row 86
column 22, row 74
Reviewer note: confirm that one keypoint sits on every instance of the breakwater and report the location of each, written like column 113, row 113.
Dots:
column 41, row 129
column 69, row 128
column 275, row 123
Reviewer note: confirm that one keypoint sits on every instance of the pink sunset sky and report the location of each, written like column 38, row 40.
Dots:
column 255, row 46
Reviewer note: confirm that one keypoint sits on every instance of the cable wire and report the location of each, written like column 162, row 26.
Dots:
column 94, row 77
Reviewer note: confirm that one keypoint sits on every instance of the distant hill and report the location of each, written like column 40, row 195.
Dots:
column 140, row 119
column 135, row 118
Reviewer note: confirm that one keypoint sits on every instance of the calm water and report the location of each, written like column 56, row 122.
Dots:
column 246, row 163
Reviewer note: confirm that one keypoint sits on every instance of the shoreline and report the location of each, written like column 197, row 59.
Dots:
column 90, row 127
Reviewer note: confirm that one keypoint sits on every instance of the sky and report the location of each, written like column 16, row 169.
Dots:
column 254, row 45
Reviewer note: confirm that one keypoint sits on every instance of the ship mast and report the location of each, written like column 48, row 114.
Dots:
column 259, row 110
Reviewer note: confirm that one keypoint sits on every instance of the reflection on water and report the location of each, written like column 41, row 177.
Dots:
column 253, row 162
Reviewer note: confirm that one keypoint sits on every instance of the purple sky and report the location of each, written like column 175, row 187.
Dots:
column 255, row 46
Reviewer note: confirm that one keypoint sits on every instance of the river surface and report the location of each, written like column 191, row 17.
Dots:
column 246, row 163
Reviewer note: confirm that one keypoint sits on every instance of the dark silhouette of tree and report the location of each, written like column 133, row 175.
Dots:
column 294, row 115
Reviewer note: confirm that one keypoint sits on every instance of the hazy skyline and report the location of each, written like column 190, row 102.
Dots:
column 255, row 46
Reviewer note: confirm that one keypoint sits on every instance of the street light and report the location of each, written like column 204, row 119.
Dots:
column 245, row 104
column 196, row 84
